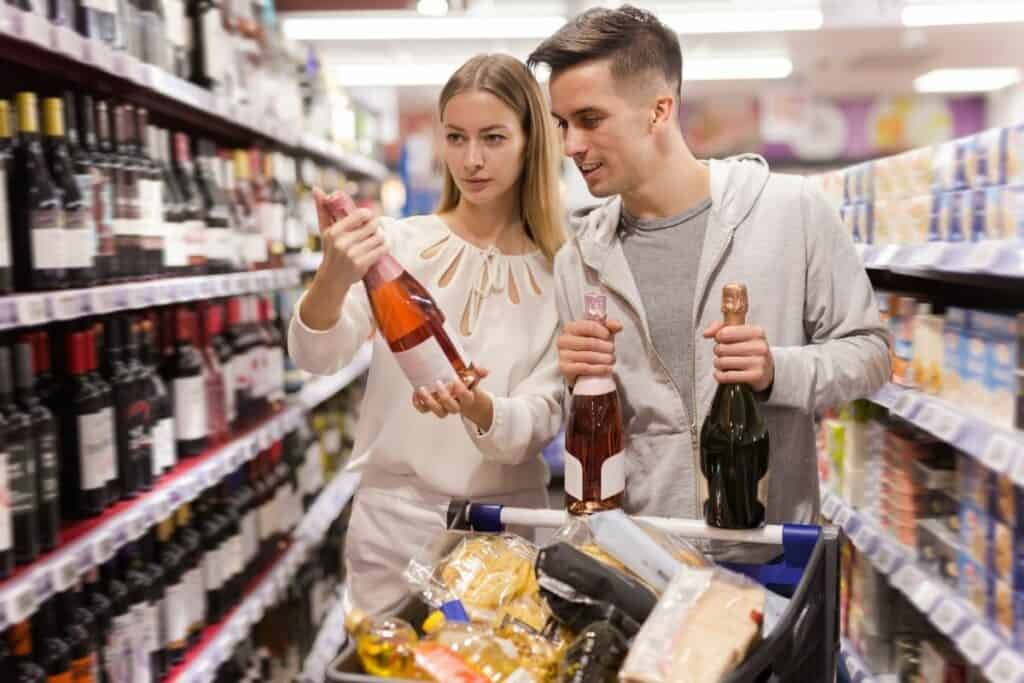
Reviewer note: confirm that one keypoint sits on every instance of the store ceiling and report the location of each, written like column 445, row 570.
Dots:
column 862, row 46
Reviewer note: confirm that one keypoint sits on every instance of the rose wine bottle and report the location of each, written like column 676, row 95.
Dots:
column 410, row 320
column 595, row 465
column 734, row 443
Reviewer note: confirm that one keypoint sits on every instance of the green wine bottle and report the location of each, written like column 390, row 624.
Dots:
column 734, row 443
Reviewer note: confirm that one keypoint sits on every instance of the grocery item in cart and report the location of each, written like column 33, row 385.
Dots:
column 705, row 624
column 385, row 645
column 596, row 654
column 483, row 650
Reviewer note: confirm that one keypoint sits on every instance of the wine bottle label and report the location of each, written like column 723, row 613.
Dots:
column 105, row 6
column 5, row 505
column 176, row 617
column 258, row 371
column 151, row 205
column 96, row 455
column 139, row 440
column 104, row 214
column 109, row 463
column 220, row 244
column 140, row 642
column 48, row 248
column 230, row 399
column 212, row 579
column 254, row 249
column 79, row 239
column 294, row 232
column 175, row 249
column 613, row 475
column 120, row 651
column 275, row 373
column 252, row 536
column 195, row 240
column 271, row 221
column 21, row 473
column 129, row 227
column 87, row 188
column 240, row 369
column 189, row 408
column 5, row 228
column 425, row 364
column 164, row 452
column 593, row 386
column 236, row 553
column 174, row 22
column 49, row 472
column 195, row 595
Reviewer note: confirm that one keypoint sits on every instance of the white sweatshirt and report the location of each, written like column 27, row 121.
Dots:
column 503, row 310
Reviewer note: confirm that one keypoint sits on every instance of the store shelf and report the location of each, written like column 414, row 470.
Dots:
column 306, row 261
column 858, row 670
column 88, row 543
column 973, row 634
column 221, row 639
column 318, row 391
column 24, row 310
column 993, row 259
column 998, row 448
column 32, row 40
column 329, row 641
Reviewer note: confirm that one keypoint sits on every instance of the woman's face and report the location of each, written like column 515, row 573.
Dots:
column 484, row 146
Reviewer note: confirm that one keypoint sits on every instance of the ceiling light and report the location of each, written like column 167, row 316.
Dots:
column 414, row 27
column 950, row 14
column 735, row 68
column 432, row 8
column 967, row 80
column 743, row 21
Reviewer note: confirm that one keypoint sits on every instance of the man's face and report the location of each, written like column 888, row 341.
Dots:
column 606, row 130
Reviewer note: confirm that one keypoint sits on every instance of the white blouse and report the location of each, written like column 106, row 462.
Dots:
column 502, row 307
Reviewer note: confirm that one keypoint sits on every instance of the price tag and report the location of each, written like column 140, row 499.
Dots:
column 66, row 42
column 120, row 64
column 929, row 255
column 149, row 76
column 264, row 281
column 224, row 468
column 165, row 292
column 133, row 70
column 142, row 296
column 65, row 571
column 161, row 507
column 69, row 304
column 905, row 405
column 983, row 256
column 31, row 27
column 907, row 579
column 208, row 288
column 999, row 452
column 1005, row 666
column 237, row 458
column 84, row 558
column 33, row 309
column 947, row 426
column 926, row 595
column 109, row 299
column 186, row 290
column 43, row 586
column 8, row 313
column 885, row 559
column 176, row 496
column 977, row 642
column 99, row 55
column 137, row 525
column 842, row 517
column 864, row 538
column 947, row 616
column 21, row 603
column 104, row 547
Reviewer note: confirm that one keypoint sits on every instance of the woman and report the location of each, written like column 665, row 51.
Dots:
column 486, row 257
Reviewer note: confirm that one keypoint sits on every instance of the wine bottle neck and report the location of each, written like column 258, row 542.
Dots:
column 386, row 269
column 735, row 318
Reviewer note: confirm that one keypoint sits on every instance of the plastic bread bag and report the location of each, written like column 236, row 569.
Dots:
column 702, row 628
column 487, row 572
column 578, row 589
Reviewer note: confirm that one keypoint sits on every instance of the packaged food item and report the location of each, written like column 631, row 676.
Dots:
column 948, row 167
column 926, row 365
column 596, row 654
column 938, row 550
column 485, row 572
column 973, row 583
column 385, row 645
column 975, row 532
column 974, row 481
column 483, row 650
column 882, row 221
column 1000, row 608
column 539, row 652
column 1012, row 213
column 920, row 163
column 621, row 537
column 703, row 627
column 441, row 664
column 578, row 589
column 993, row 215
column 1015, row 154
column 972, row 215
column 1006, row 501
column 918, row 212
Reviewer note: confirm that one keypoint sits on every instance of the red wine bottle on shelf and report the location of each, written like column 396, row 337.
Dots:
column 97, row 140
column 222, row 349
column 159, row 398
column 37, row 216
column 410, row 320
column 734, row 443
column 195, row 228
column 107, row 398
column 213, row 377
column 241, row 370
column 142, row 410
column 128, row 231
column 129, row 420
column 87, row 429
column 187, row 388
column 21, row 466
column 79, row 227
column 44, row 438
column 595, row 465
column 151, row 199
column 6, row 530
column 6, row 150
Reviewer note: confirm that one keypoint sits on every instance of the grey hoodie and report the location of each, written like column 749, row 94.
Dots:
column 809, row 292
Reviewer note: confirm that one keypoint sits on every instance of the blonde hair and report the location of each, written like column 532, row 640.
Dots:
column 510, row 81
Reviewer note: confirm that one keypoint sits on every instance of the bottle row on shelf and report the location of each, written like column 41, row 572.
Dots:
column 901, row 495
column 99, row 196
column 207, row 56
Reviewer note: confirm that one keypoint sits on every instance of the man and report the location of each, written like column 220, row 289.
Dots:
column 672, row 232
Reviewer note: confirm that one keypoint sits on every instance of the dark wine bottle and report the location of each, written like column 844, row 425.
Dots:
column 734, row 443
column 176, row 210
column 95, row 19
column 159, row 397
column 174, row 615
column 97, row 140
column 220, row 243
column 222, row 350
column 106, row 393
column 6, row 151
column 241, row 363
column 88, row 440
column 274, row 354
column 595, row 468
column 188, row 389
column 79, row 227
column 128, row 416
column 151, row 203
column 80, row 134
column 37, row 217
column 100, row 605
column 190, row 539
column 21, row 466
column 44, row 439
column 128, row 206
column 6, row 532
column 213, row 373
column 195, row 225
column 142, row 409
column 80, row 632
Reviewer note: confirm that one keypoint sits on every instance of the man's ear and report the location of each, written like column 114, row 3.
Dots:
column 664, row 110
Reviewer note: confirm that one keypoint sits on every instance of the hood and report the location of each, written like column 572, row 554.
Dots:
column 736, row 185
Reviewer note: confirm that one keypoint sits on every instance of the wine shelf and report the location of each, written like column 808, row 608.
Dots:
column 30, row 39
column 995, row 258
column 855, row 666
column 221, row 639
column 973, row 634
column 329, row 640
column 25, row 310
column 89, row 543
column 998, row 448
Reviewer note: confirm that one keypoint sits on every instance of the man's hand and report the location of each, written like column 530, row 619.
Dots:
column 742, row 355
column 587, row 348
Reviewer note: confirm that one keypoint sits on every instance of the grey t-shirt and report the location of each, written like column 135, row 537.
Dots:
column 664, row 254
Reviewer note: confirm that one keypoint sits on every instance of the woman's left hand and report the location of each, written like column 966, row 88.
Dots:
column 456, row 399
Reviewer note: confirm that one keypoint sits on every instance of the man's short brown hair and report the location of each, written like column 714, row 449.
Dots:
column 632, row 39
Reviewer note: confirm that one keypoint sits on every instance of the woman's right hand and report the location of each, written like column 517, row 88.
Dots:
column 350, row 246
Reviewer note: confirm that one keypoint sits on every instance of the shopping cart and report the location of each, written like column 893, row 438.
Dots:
column 802, row 647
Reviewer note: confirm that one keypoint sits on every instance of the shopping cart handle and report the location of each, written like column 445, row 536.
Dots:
column 487, row 517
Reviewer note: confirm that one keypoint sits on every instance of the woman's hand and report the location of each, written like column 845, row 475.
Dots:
column 350, row 246
column 456, row 399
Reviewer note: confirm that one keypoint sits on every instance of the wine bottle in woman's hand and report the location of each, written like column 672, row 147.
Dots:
column 407, row 316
